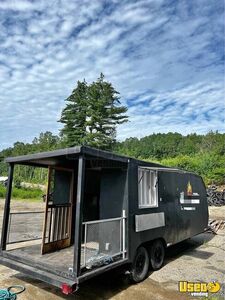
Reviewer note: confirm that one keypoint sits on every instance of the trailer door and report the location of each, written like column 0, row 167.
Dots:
column 58, row 212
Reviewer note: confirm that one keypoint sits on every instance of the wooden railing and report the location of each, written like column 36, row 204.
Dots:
column 58, row 222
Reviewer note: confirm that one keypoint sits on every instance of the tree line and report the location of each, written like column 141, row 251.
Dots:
column 203, row 154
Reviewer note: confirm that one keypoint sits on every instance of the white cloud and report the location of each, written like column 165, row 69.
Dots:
column 16, row 5
column 187, row 110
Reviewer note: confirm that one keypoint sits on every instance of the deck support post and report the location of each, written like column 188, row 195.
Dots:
column 7, row 208
column 79, row 216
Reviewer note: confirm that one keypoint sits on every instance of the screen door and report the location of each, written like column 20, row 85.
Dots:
column 58, row 211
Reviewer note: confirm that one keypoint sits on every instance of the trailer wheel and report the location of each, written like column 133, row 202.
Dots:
column 140, row 266
column 157, row 254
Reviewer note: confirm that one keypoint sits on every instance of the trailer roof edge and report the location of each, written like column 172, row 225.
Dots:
column 42, row 155
column 32, row 158
column 166, row 169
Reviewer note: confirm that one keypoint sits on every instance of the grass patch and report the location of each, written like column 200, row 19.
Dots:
column 22, row 193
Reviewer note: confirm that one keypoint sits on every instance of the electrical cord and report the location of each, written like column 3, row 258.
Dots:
column 9, row 294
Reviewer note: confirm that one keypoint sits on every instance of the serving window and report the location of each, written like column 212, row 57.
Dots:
column 147, row 188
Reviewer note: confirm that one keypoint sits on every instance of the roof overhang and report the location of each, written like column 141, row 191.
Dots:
column 64, row 157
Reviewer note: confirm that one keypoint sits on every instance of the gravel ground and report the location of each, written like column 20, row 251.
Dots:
column 217, row 213
column 200, row 258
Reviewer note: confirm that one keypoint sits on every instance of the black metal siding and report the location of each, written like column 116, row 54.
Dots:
column 179, row 224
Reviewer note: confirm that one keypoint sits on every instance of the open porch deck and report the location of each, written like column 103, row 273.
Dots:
column 59, row 262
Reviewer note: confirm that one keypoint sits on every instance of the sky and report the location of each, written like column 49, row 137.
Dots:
column 166, row 58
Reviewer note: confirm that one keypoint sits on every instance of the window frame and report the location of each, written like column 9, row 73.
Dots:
column 155, row 195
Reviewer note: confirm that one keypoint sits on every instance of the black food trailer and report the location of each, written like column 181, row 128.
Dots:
column 102, row 211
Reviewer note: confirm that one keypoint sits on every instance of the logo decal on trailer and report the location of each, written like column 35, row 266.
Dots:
column 189, row 197
column 189, row 189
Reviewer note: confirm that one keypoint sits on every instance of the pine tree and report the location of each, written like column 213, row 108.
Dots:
column 105, row 112
column 91, row 115
column 74, row 116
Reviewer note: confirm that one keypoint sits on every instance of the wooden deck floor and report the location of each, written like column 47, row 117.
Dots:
column 58, row 262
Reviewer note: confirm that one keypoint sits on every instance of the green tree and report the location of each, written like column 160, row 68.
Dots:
column 91, row 115
column 46, row 141
column 74, row 116
column 214, row 142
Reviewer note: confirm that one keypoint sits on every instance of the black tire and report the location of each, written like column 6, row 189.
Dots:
column 157, row 254
column 140, row 266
